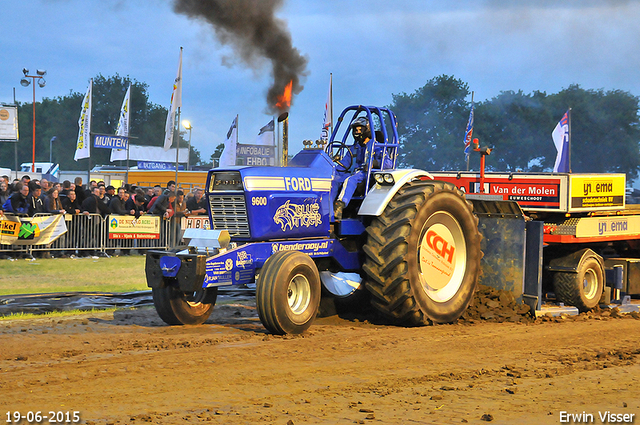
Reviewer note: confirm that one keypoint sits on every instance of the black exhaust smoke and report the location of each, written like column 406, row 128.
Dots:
column 253, row 31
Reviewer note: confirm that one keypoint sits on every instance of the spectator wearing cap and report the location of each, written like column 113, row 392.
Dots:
column 110, row 193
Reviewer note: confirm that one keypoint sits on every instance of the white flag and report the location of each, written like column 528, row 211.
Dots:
column 560, row 137
column 123, row 127
column 84, row 133
column 267, row 135
column 176, row 103
column 328, row 112
column 228, row 156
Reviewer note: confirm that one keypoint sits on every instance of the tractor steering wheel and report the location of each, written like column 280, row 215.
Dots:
column 338, row 151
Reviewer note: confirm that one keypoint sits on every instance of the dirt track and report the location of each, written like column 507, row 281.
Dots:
column 127, row 367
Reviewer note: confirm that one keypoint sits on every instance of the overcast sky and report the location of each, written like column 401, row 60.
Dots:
column 374, row 49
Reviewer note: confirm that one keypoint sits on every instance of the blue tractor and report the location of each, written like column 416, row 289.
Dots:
column 407, row 241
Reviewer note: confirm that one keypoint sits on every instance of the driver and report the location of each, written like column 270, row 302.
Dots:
column 357, row 154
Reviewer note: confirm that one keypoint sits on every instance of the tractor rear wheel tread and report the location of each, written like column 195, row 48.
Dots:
column 395, row 237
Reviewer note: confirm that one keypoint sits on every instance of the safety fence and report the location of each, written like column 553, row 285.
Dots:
column 93, row 234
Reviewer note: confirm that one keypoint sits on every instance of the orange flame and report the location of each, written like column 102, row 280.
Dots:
column 284, row 101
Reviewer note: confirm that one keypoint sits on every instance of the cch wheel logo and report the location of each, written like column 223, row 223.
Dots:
column 437, row 256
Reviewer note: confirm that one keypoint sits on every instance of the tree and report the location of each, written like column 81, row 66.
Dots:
column 517, row 126
column 431, row 124
column 605, row 129
column 215, row 156
column 59, row 117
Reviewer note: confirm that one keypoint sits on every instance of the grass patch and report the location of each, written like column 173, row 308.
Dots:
column 115, row 274
column 52, row 314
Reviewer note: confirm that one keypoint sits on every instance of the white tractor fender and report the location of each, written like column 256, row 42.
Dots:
column 380, row 195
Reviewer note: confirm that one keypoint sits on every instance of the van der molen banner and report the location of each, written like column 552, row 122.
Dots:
column 107, row 141
column 9, row 123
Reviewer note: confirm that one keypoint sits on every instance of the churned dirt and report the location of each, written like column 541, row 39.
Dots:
column 127, row 367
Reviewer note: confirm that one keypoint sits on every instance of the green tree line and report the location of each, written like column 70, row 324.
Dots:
column 432, row 120
column 59, row 117
column 431, row 123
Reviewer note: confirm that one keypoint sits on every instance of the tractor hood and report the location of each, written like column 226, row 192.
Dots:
column 261, row 203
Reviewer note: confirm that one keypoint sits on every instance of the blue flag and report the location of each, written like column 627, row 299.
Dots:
column 468, row 133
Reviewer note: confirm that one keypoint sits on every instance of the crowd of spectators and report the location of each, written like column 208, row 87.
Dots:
column 30, row 197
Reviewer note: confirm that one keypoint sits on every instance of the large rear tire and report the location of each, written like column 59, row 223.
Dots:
column 182, row 308
column 423, row 254
column 288, row 293
column 582, row 289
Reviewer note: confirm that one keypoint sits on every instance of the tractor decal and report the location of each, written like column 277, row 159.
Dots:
column 297, row 215
column 306, row 247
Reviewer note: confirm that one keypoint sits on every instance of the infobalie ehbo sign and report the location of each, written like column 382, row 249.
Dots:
column 107, row 141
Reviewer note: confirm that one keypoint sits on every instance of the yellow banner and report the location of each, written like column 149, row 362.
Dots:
column 597, row 190
column 40, row 230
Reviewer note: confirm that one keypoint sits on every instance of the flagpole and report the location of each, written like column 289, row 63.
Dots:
column 128, row 140
column 472, row 93
column 331, row 104
column 276, row 140
column 90, row 113
column 569, row 148
column 176, row 139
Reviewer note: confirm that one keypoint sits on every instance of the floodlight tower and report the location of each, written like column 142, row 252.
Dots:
column 40, row 73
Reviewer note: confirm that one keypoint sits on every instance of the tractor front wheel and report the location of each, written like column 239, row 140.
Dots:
column 176, row 307
column 288, row 292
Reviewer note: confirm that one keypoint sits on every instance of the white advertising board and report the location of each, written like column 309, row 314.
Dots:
column 9, row 123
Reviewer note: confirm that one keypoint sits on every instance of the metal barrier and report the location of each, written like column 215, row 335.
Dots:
column 88, row 233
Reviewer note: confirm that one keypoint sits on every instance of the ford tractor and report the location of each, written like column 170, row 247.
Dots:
column 407, row 241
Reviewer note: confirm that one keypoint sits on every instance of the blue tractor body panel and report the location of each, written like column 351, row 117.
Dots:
column 238, row 266
column 271, row 209
column 279, row 202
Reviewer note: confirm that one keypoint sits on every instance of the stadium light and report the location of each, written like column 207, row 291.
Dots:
column 25, row 83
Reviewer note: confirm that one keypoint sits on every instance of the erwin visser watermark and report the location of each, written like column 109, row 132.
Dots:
column 605, row 417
